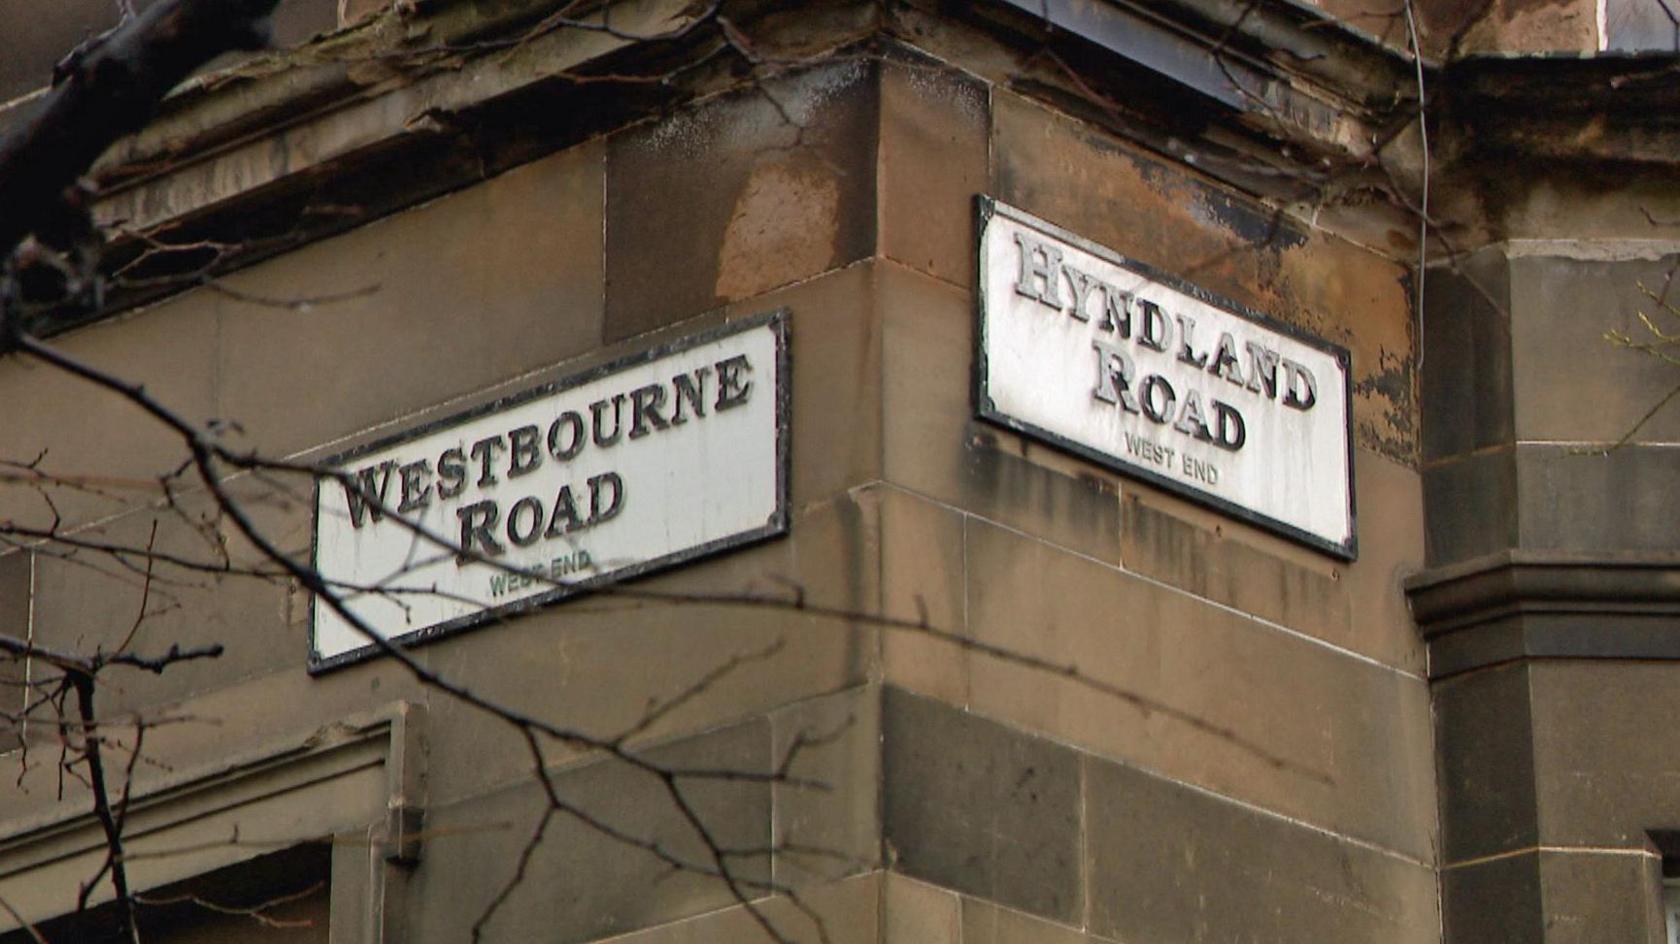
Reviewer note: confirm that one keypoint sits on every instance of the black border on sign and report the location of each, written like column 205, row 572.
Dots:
column 986, row 208
column 775, row 526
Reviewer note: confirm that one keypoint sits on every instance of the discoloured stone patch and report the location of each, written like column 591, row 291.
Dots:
column 786, row 218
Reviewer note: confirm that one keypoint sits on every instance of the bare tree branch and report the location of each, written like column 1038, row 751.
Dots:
column 107, row 88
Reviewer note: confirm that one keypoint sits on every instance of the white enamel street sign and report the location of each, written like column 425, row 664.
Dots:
column 1150, row 376
column 638, row 465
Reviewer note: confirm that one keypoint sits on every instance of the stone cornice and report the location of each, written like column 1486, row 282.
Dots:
column 1266, row 95
column 431, row 96
column 1529, row 605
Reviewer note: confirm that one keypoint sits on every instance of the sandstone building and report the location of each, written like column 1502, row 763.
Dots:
column 961, row 676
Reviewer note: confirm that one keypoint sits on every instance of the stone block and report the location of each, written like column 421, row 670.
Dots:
column 986, row 923
column 1496, row 901
column 1591, row 896
column 16, row 590
column 1171, row 863
column 205, row 729
column 933, row 161
column 847, row 912
column 1358, row 605
column 1573, row 500
column 437, row 302
column 1570, row 383
column 922, row 574
column 1466, row 379
column 740, row 194
column 1605, row 759
column 599, row 663
column 1203, row 554
column 835, row 349
column 1393, row 541
column 1470, row 505
column 828, row 813
column 1198, row 692
column 1486, row 752
column 104, row 453
column 932, row 444
column 87, row 600
column 981, row 808
column 918, row 913
column 583, row 882
column 836, row 353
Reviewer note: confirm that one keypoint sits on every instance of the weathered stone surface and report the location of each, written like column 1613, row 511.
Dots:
column 978, row 807
column 918, row 913
column 1471, row 505
column 583, row 884
column 1591, row 896
column 922, row 582
column 848, row 913
column 1258, row 713
column 598, row 663
column 986, row 923
column 1496, row 901
column 932, row 444
column 1169, row 863
column 740, row 195
column 1511, row 26
column 1466, row 377
column 1487, row 763
column 933, row 160
column 1605, row 758
column 828, row 816
column 433, row 315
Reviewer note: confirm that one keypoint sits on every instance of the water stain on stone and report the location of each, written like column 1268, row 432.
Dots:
column 785, row 220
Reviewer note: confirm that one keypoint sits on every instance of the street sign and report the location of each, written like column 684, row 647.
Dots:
column 642, row 464
column 1148, row 375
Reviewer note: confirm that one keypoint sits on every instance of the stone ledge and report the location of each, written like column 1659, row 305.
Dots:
column 1548, row 604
